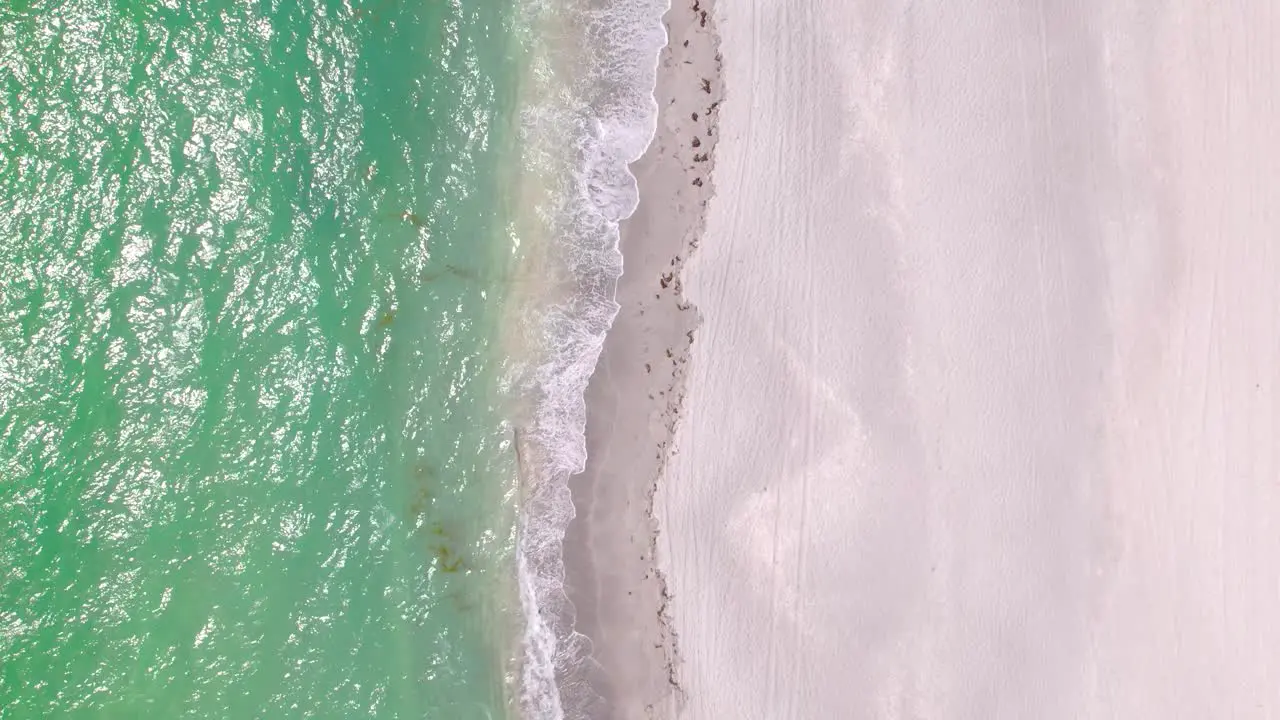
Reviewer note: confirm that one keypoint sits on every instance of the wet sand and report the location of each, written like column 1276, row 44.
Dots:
column 634, row 398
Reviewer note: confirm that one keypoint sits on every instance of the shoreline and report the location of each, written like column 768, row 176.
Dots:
column 586, row 112
column 635, row 395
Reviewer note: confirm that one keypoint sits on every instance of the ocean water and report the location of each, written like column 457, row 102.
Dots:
column 297, row 304
column 254, row 462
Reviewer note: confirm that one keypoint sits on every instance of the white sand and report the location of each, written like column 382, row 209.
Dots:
column 982, row 419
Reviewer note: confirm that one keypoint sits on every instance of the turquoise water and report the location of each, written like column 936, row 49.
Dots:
column 253, row 462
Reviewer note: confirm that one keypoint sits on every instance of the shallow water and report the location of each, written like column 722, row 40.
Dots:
column 253, row 459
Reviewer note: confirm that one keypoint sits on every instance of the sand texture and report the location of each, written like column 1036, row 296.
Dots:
column 633, row 401
column 981, row 420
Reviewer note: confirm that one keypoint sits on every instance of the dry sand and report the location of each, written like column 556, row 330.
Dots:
column 981, row 420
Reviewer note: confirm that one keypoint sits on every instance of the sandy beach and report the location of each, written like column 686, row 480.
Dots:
column 979, row 415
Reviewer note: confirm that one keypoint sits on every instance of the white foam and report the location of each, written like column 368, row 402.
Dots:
column 593, row 114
